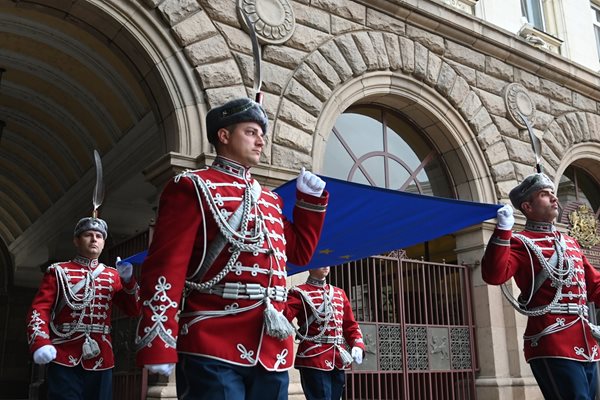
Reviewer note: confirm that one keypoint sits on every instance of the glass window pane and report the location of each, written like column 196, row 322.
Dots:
column 597, row 34
column 375, row 169
column 588, row 189
column 398, row 174
column 566, row 187
column 437, row 179
column 406, row 134
column 337, row 161
column 532, row 10
column 413, row 188
column 537, row 16
column 398, row 146
column 585, row 191
column 362, row 134
column 359, row 177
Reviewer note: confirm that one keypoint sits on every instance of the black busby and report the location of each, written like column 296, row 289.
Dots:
column 233, row 112
column 531, row 184
column 91, row 224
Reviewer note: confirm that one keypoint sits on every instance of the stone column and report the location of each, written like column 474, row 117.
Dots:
column 170, row 164
column 162, row 388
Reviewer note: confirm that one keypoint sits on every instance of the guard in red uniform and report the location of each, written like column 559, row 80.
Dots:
column 69, row 325
column 219, row 255
column 556, row 282
column 327, row 327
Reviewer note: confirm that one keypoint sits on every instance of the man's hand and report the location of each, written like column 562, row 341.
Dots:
column 162, row 369
column 505, row 217
column 125, row 270
column 357, row 354
column 309, row 183
column 44, row 354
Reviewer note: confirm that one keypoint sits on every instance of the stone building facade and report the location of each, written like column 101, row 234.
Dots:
column 460, row 81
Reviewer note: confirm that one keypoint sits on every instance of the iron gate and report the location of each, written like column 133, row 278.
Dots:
column 417, row 324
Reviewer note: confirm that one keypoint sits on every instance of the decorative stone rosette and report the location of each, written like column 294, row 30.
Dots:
column 274, row 20
column 516, row 99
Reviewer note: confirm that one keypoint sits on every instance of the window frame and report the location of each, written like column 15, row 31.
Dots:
column 596, row 23
column 427, row 159
column 528, row 11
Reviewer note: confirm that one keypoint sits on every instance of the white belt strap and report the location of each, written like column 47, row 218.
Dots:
column 249, row 291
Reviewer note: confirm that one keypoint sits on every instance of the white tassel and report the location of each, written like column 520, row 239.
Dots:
column 276, row 324
column 346, row 357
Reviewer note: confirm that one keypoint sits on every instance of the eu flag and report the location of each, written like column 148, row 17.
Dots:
column 362, row 221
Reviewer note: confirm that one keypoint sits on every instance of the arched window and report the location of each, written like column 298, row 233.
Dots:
column 378, row 147
column 577, row 186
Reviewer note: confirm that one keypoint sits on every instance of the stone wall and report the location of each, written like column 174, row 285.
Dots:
column 462, row 79
column 336, row 41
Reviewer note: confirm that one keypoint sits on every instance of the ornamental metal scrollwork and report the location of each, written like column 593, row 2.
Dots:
column 416, row 348
column 584, row 226
column 399, row 254
column 460, row 348
column 390, row 348
column 274, row 20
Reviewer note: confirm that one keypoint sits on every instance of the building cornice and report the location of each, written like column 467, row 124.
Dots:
column 489, row 39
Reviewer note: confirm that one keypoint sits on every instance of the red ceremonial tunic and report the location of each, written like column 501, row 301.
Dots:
column 332, row 329
column 563, row 332
column 53, row 321
column 225, row 321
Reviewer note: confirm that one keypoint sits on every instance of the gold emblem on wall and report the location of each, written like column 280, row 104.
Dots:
column 584, row 226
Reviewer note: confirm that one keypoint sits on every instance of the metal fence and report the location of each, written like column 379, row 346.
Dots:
column 416, row 319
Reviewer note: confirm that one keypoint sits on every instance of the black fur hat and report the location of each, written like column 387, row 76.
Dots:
column 91, row 224
column 233, row 112
column 531, row 184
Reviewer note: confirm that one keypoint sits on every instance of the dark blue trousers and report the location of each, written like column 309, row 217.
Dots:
column 202, row 378
column 561, row 379
column 76, row 383
column 322, row 385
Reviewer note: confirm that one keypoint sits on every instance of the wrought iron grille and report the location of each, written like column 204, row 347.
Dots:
column 418, row 328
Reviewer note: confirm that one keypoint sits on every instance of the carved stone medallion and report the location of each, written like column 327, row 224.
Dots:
column 517, row 98
column 584, row 226
column 274, row 20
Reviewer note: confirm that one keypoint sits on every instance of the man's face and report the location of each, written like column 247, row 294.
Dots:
column 243, row 142
column 319, row 273
column 89, row 244
column 542, row 207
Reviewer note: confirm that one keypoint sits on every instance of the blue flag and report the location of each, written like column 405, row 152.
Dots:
column 363, row 221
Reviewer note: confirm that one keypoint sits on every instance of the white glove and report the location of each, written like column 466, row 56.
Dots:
column 44, row 354
column 309, row 183
column 505, row 218
column 125, row 269
column 162, row 369
column 357, row 354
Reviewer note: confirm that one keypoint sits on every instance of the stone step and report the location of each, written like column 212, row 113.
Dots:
column 295, row 391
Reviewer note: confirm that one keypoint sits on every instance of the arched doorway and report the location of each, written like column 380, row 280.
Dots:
column 74, row 77
column 579, row 198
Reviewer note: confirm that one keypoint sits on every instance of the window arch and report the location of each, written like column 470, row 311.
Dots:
column 577, row 186
column 376, row 146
